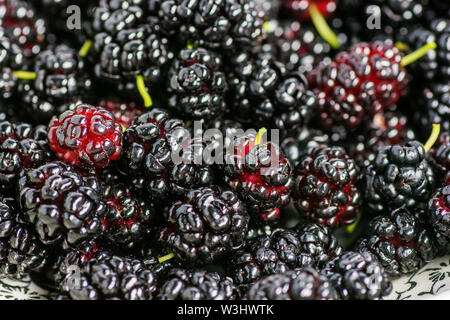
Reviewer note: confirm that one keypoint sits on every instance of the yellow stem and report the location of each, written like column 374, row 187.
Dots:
column 433, row 137
column 322, row 26
column 165, row 258
column 25, row 75
column 140, row 83
column 85, row 48
column 259, row 136
column 419, row 53
column 352, row 227
column 402, row 46
column 190, row 44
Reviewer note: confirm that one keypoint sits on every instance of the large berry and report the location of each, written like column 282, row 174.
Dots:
column 400, row 241
column 22, row 26
column 209, row 223
column 196, row 84
column 126, row 45
column 312, row 245
column 64, row 206
column 112, row 277
column 325, row 187
column 87, row 136
column 262, row 91
column 299, row 284
column 261, row 176
column 61, row 83
column 22, row 146
column 149, row 144
column 360, row 82
column 358, row 276
column 399, row 176
column 227, row 26
column 20, row 249
column 197, row 285
column 129, row 219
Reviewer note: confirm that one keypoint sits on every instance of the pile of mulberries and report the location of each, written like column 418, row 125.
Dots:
column 223, row 149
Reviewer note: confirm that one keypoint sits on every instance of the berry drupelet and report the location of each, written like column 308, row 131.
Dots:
column 263, row 92
column 207, row 224
column 148, row 145
column 21, row 251
column 87, row 136
column 358, row 276
column 225, row 26
column 64, row 206
column 399, row 176
column 61, row 83
column 325, row 187
column 22, row 146
column 23, row 26
column 182, row 284
column 261, row 176
column 128, row 219
column 358, row 83
column 196, row 84
column 312, row 245
column 400, row 241
column 113, row 277
column 299, row 284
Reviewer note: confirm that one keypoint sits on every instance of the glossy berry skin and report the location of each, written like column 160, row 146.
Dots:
column 196, row 84
column 225, row 26
column 261, row 176
column 262, row 91
column 360, row 82
column 111, row 278
column 325, row 187
column 399, row 176
column 358, row 276
column 129, row 219
column 310, row 245
column 87, row 136
column 208, row 224
column 147, row 157
column 22, row 25
column 62, row 81
column 22, row 146
column 21, row 251
column 67, row 223
column 183, row 284
column 439, row 213
column 299, row 284
column 400, row 241
column 126, row 45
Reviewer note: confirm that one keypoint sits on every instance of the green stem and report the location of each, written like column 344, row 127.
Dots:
column 322, row 27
